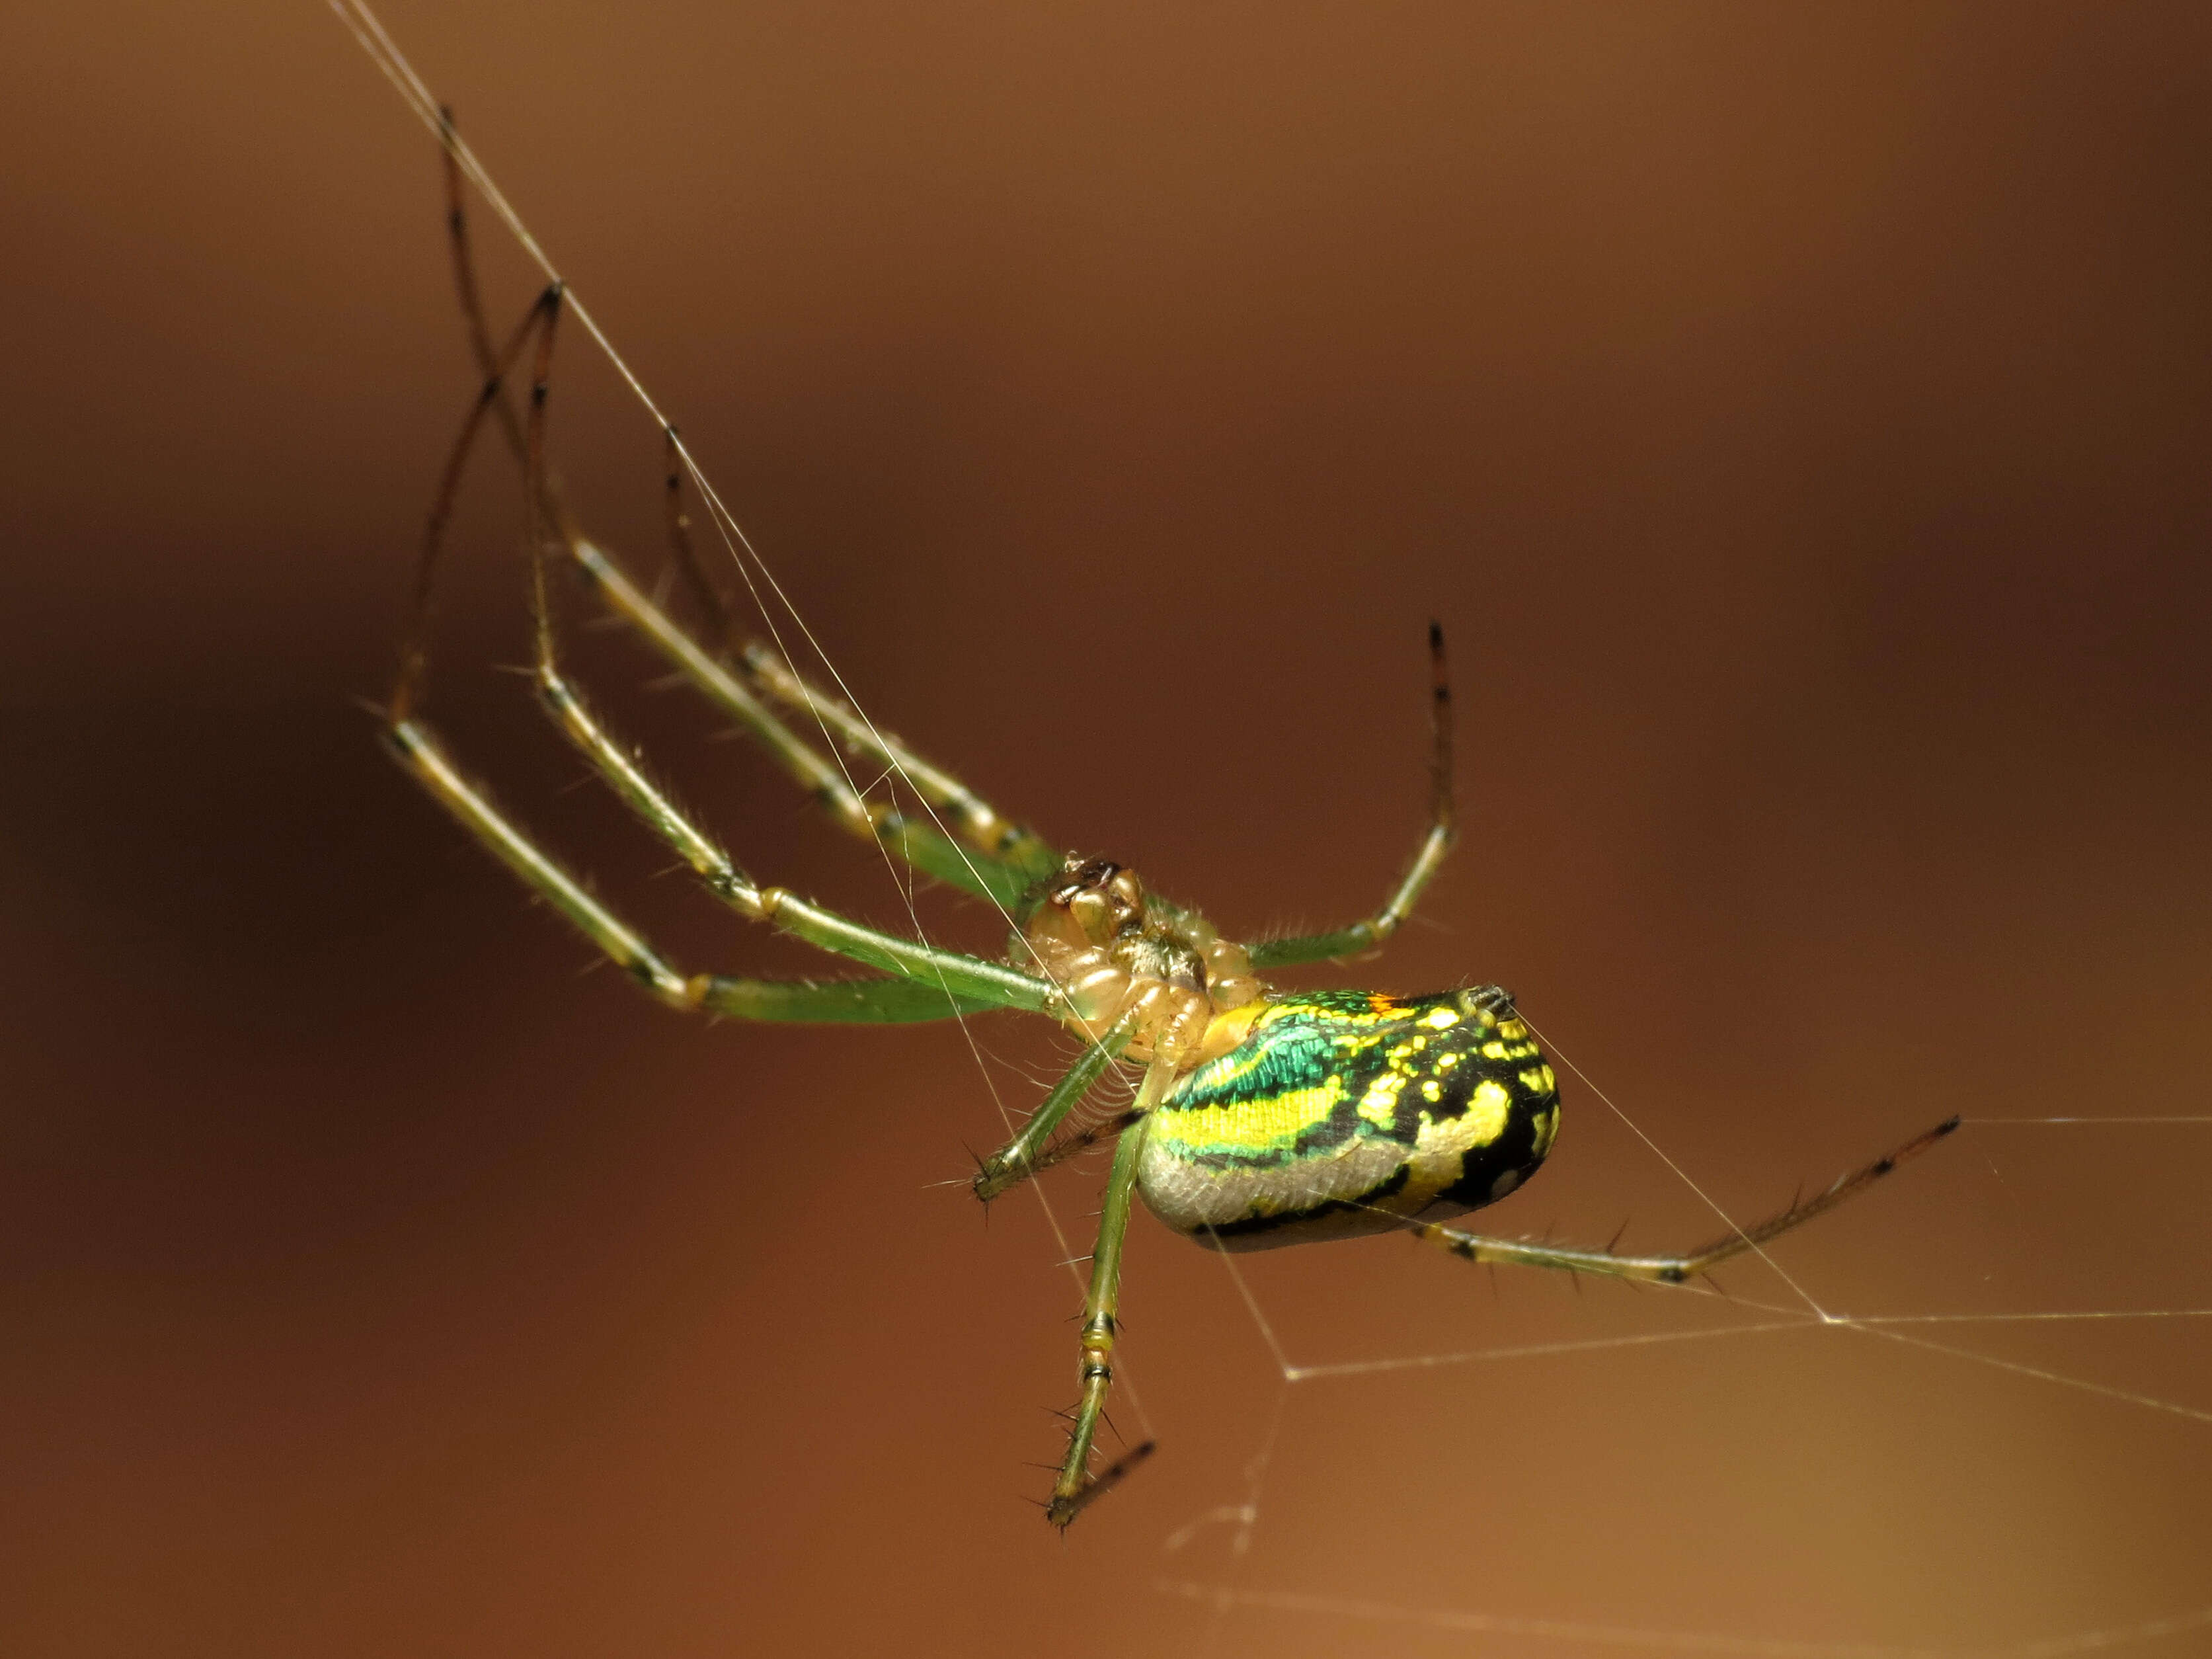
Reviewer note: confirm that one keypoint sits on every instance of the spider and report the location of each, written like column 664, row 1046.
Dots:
column 1261, row 1117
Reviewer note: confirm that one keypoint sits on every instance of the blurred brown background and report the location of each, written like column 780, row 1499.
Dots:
column 1798, row 416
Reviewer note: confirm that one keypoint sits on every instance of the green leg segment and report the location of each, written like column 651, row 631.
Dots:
column 1077, row 1488
column 1021, row 1157
column 951, row 974
column 1018, row 855
column 422, row 754
column 917, row 840
column 873, row 1001
column 831, row 1002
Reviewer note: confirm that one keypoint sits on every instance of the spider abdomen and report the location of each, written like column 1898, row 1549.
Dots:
column 1350, row 1112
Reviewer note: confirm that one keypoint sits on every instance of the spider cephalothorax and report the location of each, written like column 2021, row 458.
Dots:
column 1118, row 954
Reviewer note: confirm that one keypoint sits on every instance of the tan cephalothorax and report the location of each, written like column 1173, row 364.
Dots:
column 1117, row 954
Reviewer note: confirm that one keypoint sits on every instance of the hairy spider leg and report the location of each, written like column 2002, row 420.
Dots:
column 1691, row 1264
column 916, row 841
column 872, row 1002
column 987, row 832
column 927, row 984
column 1075, row 1489
column 1013, row 857
column 1372, row 932
column 1025, row 1154
column 1001, row 863
column 955, row 974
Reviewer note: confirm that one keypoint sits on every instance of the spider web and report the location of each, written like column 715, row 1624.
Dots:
column 1964, row 1354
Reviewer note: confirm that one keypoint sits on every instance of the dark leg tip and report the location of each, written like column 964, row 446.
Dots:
column 401, row 737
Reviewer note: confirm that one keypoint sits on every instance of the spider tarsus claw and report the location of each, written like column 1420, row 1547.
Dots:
column 1063, row 1510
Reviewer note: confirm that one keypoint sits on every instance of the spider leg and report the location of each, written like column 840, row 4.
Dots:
column 1373, row 932
column 932, row 983
column 1004, row 871
column 953, row 973
column 734, row 691
column 1013, row 853
column 986, row 834
column 1076, row 1488
column 1691, row 1264
column 873, row 1001
column 1020, row 1158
